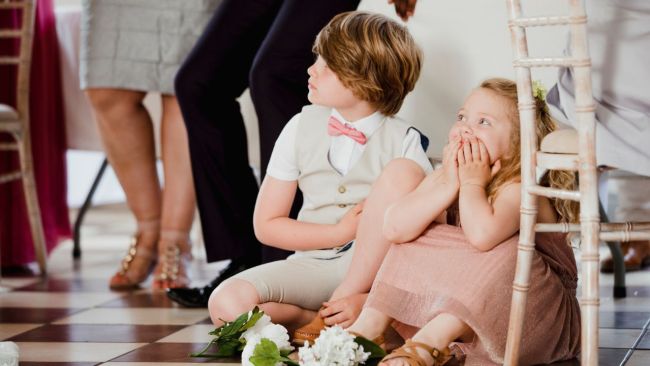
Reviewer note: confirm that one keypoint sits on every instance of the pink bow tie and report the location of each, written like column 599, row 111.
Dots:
column 336, row 128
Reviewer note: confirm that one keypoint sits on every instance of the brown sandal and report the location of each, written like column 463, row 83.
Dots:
column 409, row 353
column 308, row 332
column 173, row 259
column 126, row 278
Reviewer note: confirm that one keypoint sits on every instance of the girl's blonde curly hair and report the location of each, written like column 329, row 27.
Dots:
column 511, row 165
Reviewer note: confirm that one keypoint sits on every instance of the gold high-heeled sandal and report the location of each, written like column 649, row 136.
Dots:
column 126, row 278
column 173, row 259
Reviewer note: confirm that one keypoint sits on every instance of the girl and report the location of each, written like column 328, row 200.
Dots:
column 450, row 276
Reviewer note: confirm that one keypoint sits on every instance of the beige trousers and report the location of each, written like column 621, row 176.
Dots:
column 303, row 279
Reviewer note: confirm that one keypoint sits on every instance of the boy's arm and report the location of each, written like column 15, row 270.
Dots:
column 274, row 227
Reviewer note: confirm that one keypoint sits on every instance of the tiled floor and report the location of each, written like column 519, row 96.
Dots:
column 72, row 318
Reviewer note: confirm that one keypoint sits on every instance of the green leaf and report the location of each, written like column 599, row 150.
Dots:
column 370, row 346
column 255, row 316
column 202, row 353
column 228, row 347
column 266, row 353
column 235, row 326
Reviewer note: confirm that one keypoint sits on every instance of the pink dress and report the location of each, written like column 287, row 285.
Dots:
column 441, row 272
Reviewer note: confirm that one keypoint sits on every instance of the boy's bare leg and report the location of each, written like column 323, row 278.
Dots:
column 234, row 297
column 291, row 316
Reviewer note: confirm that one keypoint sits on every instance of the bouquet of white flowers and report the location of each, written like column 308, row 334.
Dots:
column 246, row 334
column 263, row 343
column 334, row 347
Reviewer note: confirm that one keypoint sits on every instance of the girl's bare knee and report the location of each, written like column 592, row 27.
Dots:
column 401, row 172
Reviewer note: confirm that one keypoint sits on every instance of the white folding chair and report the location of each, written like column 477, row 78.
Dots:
column 577, row 153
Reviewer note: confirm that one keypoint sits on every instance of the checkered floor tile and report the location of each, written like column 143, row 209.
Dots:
column 72, row 318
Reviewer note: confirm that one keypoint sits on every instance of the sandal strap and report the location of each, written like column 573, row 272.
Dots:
column 409, row 352
column 170, row 257
column 134, row 250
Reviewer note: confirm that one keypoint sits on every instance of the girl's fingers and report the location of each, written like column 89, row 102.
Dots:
column 476, row 152
column 461, row 157
column 484, row 153
column 467, row 151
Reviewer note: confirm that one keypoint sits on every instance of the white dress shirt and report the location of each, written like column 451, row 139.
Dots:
column 344, row 152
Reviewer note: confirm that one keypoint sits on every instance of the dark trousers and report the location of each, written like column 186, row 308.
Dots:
column 264, row 45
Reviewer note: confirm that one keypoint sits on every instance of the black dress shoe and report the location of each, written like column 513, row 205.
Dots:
column 197, row 297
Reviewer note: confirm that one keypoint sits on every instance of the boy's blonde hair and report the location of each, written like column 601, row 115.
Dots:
column 511, row 165
column 373, row 56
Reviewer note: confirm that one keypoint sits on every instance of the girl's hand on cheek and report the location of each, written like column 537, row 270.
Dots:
column 474, row 163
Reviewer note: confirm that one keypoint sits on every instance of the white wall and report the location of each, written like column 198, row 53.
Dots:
column 464, row 42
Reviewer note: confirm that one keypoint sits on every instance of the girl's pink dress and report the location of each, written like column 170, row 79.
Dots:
column 441, row 272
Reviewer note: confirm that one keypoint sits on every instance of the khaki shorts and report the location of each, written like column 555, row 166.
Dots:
column 300, row 279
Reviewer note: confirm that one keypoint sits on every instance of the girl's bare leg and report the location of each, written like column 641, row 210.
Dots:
column 437, row 333
column 400, row 177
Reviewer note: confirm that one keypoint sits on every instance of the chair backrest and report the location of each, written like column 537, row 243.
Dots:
column 25, row 34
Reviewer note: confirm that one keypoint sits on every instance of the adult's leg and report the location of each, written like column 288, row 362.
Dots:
column 214, row 74
column 127, row 134
column 278, row 78
column 178, row 201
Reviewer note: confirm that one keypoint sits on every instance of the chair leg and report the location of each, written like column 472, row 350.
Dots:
column 521, row 285
column 620, row 290
column 31, row 199
column 76, row 250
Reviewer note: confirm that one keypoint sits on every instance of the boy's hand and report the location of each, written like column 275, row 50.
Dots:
column 349, row 222
column 474, row 163
column 343, row 311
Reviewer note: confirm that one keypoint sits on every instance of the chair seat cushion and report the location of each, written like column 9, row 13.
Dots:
column 7, row 113
column 564, row 141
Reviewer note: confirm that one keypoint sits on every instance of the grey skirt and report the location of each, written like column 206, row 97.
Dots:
column 139, row 44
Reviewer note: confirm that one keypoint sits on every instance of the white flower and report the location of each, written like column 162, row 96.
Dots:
column 257, row 328
column 247, row 352
column 277, row 334
column 333, row 347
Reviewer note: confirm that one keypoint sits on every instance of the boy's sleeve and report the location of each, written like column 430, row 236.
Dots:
column 283, row 164
column 412, row 149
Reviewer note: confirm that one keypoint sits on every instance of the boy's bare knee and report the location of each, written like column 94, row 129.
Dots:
column 232, row 298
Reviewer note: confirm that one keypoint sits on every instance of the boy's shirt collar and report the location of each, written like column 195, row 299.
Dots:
column 368, row 125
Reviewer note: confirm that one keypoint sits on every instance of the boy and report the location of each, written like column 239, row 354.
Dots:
column 333, row 150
